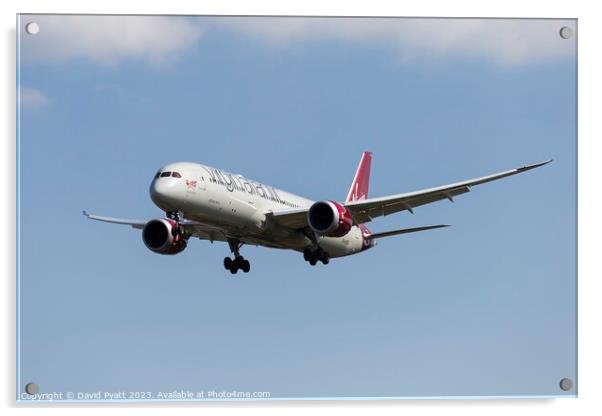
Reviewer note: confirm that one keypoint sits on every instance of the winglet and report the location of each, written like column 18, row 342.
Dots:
column 534, row 165
column 86, row 213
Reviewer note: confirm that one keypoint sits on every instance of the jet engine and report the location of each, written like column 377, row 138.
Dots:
column 329, row 218
column 163, row 236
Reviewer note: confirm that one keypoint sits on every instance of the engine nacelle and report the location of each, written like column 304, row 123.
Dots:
column 329, row 218
column 160, row 236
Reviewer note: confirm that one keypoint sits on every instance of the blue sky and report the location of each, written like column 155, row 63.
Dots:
column 486, row 307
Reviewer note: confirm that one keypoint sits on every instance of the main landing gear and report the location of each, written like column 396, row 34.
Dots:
column 315, row 253
column 239, row 262
column 313, row 256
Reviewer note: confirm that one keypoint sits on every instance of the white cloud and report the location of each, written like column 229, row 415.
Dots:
column 109, row 40
column 506, row 42
column 159, row 40
column 31, row 97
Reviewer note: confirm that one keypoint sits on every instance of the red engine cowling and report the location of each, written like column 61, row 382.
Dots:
column 329, row 218
column 159, row 236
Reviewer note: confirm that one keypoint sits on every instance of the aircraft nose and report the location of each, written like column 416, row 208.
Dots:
column 163, row 192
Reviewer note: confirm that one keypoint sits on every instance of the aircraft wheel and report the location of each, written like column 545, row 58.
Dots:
column 228, row 263
column 307, row 254
column 246, row 266
column 325, row 259
column 313, row 261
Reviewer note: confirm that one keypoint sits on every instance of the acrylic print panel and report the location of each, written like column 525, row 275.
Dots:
column 144, row 296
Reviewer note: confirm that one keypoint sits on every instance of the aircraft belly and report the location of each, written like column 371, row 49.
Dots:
column 226, row 212
column 343, row 246
column 246, row 220
column 284, row 238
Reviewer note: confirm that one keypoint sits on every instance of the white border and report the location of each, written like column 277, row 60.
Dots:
column 589, row 200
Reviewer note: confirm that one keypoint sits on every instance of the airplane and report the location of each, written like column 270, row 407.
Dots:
column 212, row 204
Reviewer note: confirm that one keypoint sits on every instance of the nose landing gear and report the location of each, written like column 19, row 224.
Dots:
column 174, row 215
column 180, row 238
column 239, row 262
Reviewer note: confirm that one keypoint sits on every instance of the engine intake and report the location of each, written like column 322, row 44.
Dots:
column 329, row 218
column 161, row 236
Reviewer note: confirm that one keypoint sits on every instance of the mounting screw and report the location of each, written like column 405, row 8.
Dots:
column 566, row 384
column 566, row 32
column 32, row 388
column 32, row 28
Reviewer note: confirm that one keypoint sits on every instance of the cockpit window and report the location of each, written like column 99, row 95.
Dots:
column 176, row 175
column 157, row 175
column 165, row 174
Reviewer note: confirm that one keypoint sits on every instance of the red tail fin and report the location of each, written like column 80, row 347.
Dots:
column 359, row 186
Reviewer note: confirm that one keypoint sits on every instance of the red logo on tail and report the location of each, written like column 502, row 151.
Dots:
column 359, row 186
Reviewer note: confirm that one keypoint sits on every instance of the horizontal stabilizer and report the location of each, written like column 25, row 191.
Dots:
column 406, row 231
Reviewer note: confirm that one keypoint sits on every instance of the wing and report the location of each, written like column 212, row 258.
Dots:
column 292, row 218
column 365, row 210
column 194, row 228
column 133, row 223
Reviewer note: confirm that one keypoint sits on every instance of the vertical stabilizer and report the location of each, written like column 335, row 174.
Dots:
column 361, row 181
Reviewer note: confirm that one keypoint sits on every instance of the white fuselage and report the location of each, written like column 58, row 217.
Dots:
column 238, row 206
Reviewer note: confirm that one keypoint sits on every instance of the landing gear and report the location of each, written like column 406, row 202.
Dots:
column 316, row 253
column 180, row 238
column 313, row 256
column 175, row 215
column 239, row 262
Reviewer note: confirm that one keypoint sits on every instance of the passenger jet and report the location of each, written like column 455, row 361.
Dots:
column 215, row 205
